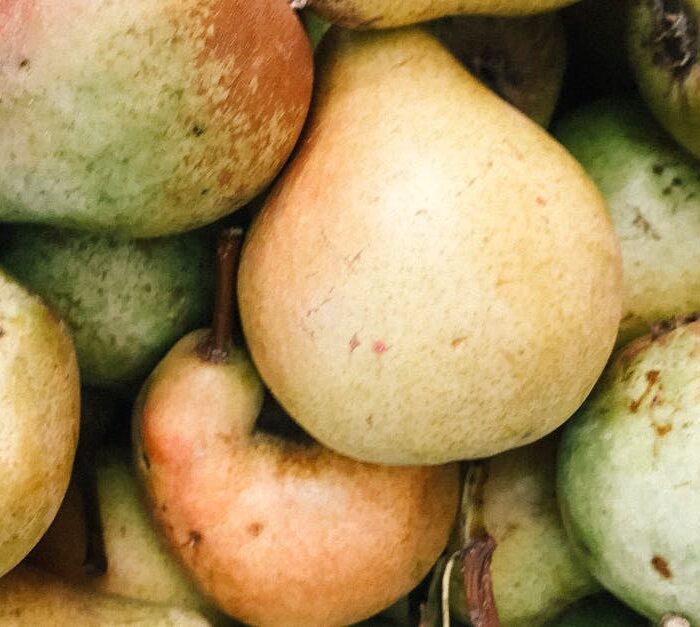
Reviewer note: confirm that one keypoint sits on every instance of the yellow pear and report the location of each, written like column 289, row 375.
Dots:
column 30, row 597
column 434, row 277
column 39, row 418
column 389, row 13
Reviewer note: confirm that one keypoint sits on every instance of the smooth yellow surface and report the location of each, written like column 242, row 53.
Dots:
column 389, row 13
column 39, row 418
column 434, row 277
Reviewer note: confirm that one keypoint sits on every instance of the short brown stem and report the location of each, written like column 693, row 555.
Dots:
column 478, row 587
column 225, row 330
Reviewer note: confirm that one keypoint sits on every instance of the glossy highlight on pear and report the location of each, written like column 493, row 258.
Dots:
column 146, row 118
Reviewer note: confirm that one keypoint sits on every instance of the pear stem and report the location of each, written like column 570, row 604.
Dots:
column 477, row 551
column 225, row 330
column 95, row 561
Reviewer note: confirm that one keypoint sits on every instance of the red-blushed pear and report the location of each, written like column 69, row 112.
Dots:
column 148, row 117
column 39, row 418
column 433, row 277
column 389, row 13
column 276, row 531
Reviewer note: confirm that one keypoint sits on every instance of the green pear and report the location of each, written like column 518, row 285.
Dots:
column 390, row 13
column 600, row 610
column 433, row 277
column 521, row 59
column 315, row 26
column 146, row 118
column 126, row 301
column 275, row 529
column 30, row 597
column 534, row 570
column 138, row 564
column 627, row 476
column 39, row 418
column 662, row 49
column 652, row 188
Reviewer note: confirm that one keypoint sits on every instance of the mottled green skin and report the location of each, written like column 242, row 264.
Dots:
column 534, row 570
column 629, row 476
column 126, row 301
column 144, row 118
column 602, row 610
column 672, row 94
column 653, row 191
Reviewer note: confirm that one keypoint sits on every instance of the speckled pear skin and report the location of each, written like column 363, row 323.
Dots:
column 390, row 13
column 30, row 597
column 146, row 118
column 662, row 52
column 433, row 277
column 126, row 301
column 535, row 571
column 278, row 533
column 652, row 188
column 39, row 418
column 627, row 476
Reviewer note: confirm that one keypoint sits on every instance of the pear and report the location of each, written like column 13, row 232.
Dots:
column 146, row 118
column 600, row 610
column 39, row 418
column 30, row 597
column 275, row 529
column 315, row 26
column 126, row 301
column 662, row 49
column 628, row 470
column 652, row 187
column 390, row 13
column 433, row 277
column 138, row 564
column 534, row 570
column 522, row 59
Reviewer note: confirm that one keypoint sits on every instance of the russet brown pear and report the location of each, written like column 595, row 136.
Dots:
column 388, row 13
column 434, row 277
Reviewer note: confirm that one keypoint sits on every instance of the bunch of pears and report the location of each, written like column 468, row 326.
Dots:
column 341, row 312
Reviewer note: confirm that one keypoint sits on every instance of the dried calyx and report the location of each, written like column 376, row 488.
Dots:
column 674, row 36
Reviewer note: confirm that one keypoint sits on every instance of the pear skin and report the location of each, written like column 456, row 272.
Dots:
column 653, row 190
column 146, row 118
column 39, row 418
column 30, row 597
column 534, row 570
column 138, row 564
column 522, row 59
column 662, row 50
column 433, row 277
column 126, row 301
column 278, row 532
column 627, row 474
column 389, row 13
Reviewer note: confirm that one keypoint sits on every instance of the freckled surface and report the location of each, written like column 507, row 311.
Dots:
column 535, row 572
column 126, row 301
column 291, row 534
column 531, row 292
column 633, row 162
column 146, row 117
column 39, row 415
column 386, row 13
column 619, row 478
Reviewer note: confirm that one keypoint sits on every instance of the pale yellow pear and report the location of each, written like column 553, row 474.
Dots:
column 39, row 418
column 434, row 277
column 30, row 597
column 390, row 13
